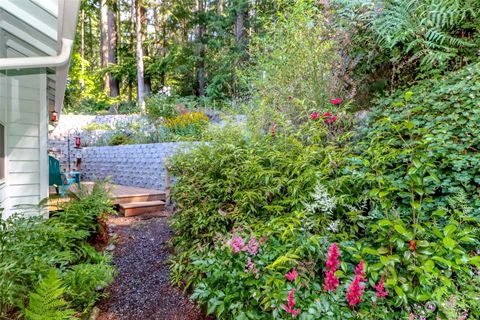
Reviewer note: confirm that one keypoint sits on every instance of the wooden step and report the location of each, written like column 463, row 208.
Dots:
column 149, row 208
column 146, row 197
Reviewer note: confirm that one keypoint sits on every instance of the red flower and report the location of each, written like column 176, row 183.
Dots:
column 331, row 281
column 336, row 101
column 332, row 257
column 359, row 272
column 315, row 115
column 355, row 291
column 413, row 246
column 334, row 118
column 379, row 288
column 291, row 304
column 327, row 114
column 292, row 275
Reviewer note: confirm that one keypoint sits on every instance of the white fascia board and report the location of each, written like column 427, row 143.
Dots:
column 67, row 18
column 27, row 37
column 29, row 17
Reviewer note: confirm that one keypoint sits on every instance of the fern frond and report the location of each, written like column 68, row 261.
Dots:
column 47, row 302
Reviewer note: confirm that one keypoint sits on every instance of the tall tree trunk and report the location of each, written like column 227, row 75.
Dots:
column 90, row 38
column 104, row 40
column 112, row 49
column 139, row 51
column 144, row 20
column 240, row 41
column 200, row 65
column 82, row 49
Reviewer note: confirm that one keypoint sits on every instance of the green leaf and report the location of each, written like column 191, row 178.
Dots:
column 450, row 229
column 449, row 243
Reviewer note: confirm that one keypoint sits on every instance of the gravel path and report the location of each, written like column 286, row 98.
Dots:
column 142, row 288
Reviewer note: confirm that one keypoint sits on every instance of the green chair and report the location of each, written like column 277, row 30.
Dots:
column 57, row 178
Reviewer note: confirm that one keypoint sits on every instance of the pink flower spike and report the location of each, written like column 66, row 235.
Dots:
column 292, row 275
column 412, row 316
column 336, row 101
column 359, row 272
column 331, row 281
column 291, row 298
column 379, row 288
column 315, row 115
column 249, row 266
column 236, row 244
column 355, row 292
column 291, row 304
column 327, row 114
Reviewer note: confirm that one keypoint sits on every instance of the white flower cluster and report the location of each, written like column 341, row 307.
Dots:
column 166, row 91
column 322, row 201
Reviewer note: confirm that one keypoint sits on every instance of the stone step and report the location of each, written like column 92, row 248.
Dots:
column 144, row 208
column 123, row 199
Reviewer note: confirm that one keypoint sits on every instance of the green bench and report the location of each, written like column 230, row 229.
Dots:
column 60, row 180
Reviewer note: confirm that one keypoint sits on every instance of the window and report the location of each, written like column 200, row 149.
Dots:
column 2, row 152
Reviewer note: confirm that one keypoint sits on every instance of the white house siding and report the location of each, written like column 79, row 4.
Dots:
column 24, row 112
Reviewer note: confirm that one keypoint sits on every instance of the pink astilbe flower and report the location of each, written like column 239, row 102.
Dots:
column 315, row 115
column 250, row 265
column 236, row 244
column 292, row 275
column 290, row 308
column 331, row 281
column 355, row 291
column 252, row 246
column 380, row 289
column 412, row 316
column 360, row 272
column 336, row 101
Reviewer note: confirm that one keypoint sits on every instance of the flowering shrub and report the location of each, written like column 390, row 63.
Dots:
column 377, row 223
column 191, row 123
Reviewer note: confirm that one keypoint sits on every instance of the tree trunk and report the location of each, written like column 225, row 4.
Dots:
column 112, row 51
column 104, row 40
column 200, row 65
column 144, row 21
column 90, row 37
column 82, row 50
column 139, row 52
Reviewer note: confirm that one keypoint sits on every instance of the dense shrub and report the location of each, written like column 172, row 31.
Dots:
column 30, row 247
column 398, row 195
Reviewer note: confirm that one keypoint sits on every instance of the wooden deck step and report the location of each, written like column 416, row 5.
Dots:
column 129, row 198
column 145, row 208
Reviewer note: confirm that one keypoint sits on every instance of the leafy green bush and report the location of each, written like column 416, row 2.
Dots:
column 399, row 194
column 119, row 139
column 160, row 106
column 30, row 247
column 84, row 283
column 293, row 68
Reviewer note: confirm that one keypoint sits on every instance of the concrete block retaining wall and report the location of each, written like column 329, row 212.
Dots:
column 71, row 125
column 140, row 165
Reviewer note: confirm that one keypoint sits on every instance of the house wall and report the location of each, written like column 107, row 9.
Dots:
column 24, row 114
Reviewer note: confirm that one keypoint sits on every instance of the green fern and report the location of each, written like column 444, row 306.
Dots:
column 47, row 302
column 425, row 33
